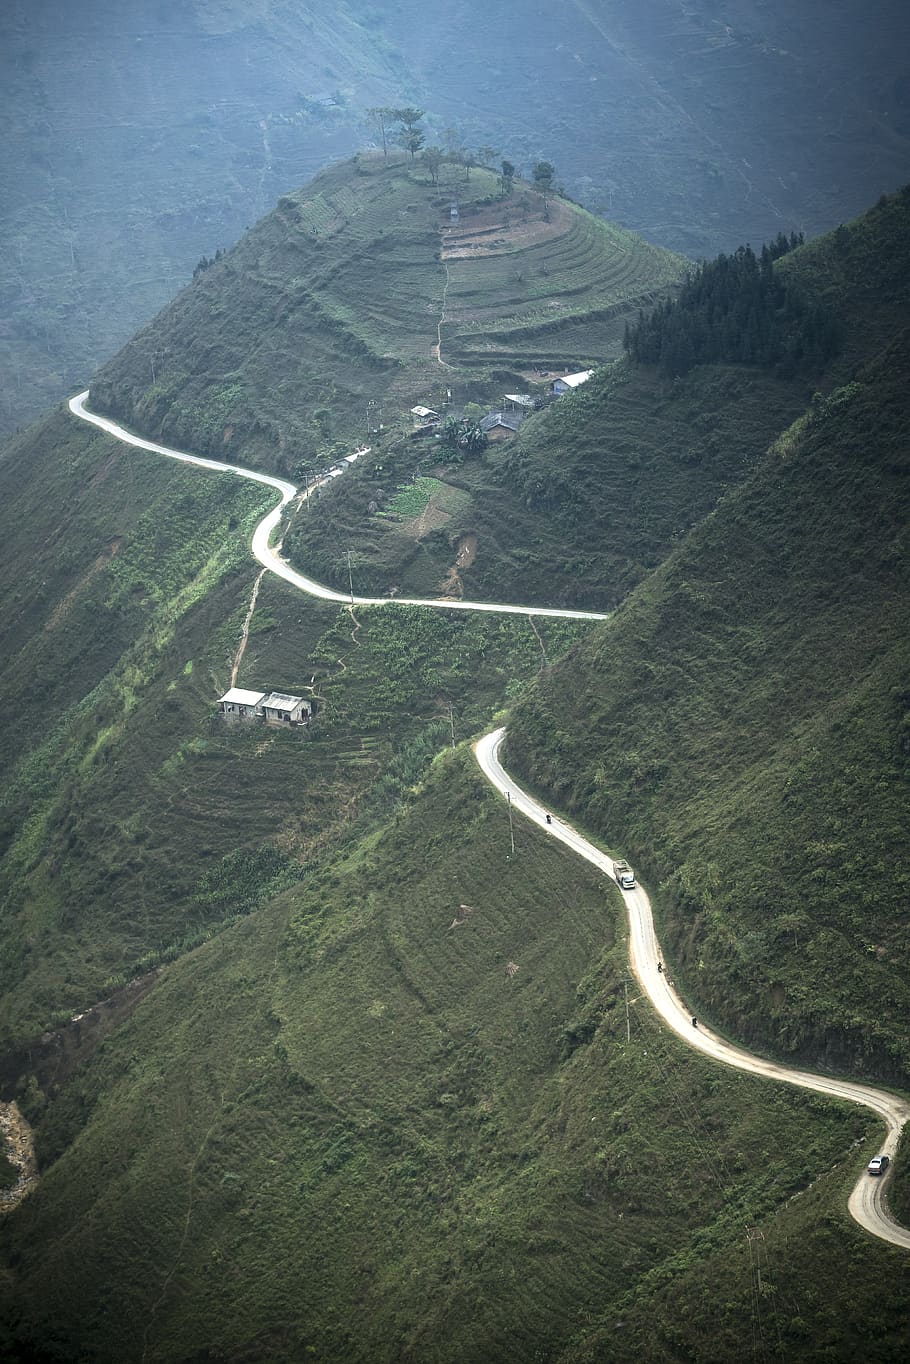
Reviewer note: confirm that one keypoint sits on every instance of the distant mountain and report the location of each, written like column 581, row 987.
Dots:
column 140, row 139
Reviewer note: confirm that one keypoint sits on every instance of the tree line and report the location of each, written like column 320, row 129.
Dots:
column 736, row 309
column 401, row 127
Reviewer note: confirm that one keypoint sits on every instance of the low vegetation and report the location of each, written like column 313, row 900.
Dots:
column 384, row 1099
column 738, row 728
column 416, row 1128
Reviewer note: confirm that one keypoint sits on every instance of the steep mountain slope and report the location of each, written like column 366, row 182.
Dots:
column 395, row 1115
column 389, row 1095
column 339, row 299
column 140, row 138
column 739, row 725
column 127, row 811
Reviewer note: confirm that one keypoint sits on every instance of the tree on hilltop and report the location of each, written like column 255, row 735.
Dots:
column 412, row 140
column 544, row 172
column 432, row 158
column 506, row 178
column 383, row 114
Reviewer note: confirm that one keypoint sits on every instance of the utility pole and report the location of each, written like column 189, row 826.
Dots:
column 511, row 828
column 350, row 578
column 452, row 723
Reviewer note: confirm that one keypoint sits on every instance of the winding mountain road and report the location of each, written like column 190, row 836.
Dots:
column 867, row 1203
column 268, row 554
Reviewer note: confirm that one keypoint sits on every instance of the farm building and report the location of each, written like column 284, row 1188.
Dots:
column 279, row 708
column 570, row 381
column 243, row 705
column 425, row 415
column 500, row 425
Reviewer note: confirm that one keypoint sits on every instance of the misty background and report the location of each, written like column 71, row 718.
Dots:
column 141, row 135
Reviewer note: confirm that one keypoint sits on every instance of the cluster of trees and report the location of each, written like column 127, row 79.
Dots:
column 463, row 436
column 204, row 263
column 412, row 138
column 736, row 309
column 408, row 134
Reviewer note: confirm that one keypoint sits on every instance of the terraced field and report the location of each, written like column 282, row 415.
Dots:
column 523, row 279
column 334, row 302
column 553, row 297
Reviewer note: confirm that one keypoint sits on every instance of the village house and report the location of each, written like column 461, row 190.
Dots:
column 425, row 416
column 519, row 402
column 500, row 425
column 570, row 381
column 277, row 708
column 243, row 705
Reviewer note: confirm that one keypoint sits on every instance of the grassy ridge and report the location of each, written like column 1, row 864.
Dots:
column 332, row 303
column 738, row 727
column 344, row 1127
column 134, row 822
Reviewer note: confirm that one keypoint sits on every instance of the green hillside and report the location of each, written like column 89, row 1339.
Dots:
column 375, row 1093
column 395, row 1115
column 738, row 726
column 133, row 822
column 337, row 299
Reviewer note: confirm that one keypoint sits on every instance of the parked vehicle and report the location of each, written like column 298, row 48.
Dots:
column 878, row 1165
column 625, row 876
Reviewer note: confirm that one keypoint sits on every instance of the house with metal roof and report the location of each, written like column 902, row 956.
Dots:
column 241, row 704
column 500, row 425
column 279, row 708
column 571, row 381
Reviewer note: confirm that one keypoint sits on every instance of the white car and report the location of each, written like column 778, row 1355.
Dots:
column 878, row 1165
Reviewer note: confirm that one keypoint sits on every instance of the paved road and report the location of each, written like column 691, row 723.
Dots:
column 269, row 554
column 866, row 1203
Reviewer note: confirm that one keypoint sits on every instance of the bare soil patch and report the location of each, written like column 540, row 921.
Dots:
column 493, row 233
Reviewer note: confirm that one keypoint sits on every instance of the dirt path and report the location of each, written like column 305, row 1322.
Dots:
column 16, row 1138
column 245, row 632
column 437, row 349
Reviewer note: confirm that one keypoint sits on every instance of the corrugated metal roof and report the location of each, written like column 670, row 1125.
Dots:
column 239, row 697
column 573, row 380
column 278, row 700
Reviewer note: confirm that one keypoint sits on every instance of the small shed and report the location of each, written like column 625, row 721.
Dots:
column 281, row 709
column 500, row 425
column 425, row 415
column 519, row 402
column 242, row 704
column 570, row 381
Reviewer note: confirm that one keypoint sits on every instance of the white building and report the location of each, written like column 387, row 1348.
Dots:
column 279, row 708
column 244, row 705
column 570, row 381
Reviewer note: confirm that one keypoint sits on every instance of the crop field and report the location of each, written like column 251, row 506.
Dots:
column 570, row 291
column 336, row 301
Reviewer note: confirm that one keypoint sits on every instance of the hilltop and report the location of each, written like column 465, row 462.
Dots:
column 336, row 304
column 142, row 138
